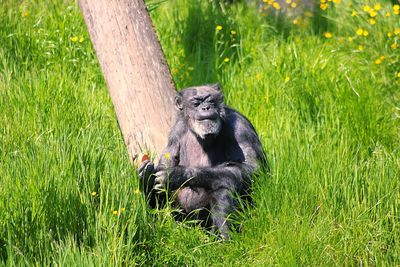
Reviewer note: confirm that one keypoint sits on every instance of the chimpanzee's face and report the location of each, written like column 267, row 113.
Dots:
column 203, row 109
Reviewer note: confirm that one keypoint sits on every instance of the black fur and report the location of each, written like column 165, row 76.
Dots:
column 212, row 153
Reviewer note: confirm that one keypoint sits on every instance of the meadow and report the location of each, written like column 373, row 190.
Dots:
column 322, row 89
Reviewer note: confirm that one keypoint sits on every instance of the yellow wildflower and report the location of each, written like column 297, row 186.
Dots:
column 167, row 156
column 354, row 13
column 359, row 31
column 379, row 60
column 336, row 1
column 287, row 78
column 233, row 32
column 81, row 39
column 323, row 1
column 226, row 59
column 122, row 209
column 25, row 14
column 94, row 194
column 323, row 6
column 74, row 39
column 276, row 5
column 377, row 6
column 394, row 46
column 296, row 22
column 350, row 39
column 389, row 34
column 360, row 48
column 328, row 35
column 387, row 14
column 365, row 33
column 293, row 5
column 288, row 1
column 372, row 21
column 396, row 7
column 115, row 212
column 366, row 8
column 373, row 13
column 398, row 74
column 218, row 28
column 137, row 191
column 397, row 31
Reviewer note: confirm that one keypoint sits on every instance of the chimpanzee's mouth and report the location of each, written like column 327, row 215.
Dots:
column 207, row 120
column 207, row 127
column 210, row 116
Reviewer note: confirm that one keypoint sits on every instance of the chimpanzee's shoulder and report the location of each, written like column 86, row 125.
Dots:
column 239, row 131
column 237, row 122
column 178, row 130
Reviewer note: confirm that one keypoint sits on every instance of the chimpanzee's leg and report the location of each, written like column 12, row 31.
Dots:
column 222, row 205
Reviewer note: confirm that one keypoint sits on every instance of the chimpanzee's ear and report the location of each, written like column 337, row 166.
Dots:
column 178, row 101
column 216, row 86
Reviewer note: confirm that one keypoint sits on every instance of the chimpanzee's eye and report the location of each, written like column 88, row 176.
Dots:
column 214, row 102
column 211, row 103
column 196, row 103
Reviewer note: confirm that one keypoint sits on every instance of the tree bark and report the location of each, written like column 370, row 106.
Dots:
column 135, row 69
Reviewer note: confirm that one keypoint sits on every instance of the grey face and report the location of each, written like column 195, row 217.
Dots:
column 206, row 128
column 203, row 108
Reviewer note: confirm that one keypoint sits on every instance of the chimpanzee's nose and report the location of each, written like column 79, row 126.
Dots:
column 205, row 107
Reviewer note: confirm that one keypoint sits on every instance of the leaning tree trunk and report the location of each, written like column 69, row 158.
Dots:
column 136, row 72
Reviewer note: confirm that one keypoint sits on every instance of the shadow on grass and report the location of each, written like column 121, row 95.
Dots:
column 206, row 47
column 3, row 251
column 64, row 216
column 284, row 26
column 201, row 43
column 33, row 232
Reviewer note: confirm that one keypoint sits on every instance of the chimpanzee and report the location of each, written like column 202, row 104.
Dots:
column 212, row 153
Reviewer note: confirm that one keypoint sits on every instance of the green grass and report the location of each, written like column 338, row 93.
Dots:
column 328, row 117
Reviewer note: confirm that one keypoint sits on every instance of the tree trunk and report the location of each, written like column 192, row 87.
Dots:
column 135, row 69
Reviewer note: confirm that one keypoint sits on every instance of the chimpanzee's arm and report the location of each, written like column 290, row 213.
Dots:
column 232, row 174
column 169, row 158
column 229, row 175
column 170, row 155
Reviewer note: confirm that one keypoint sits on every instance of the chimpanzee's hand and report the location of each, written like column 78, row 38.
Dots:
column 172, row 178
column 161, row 179
column 146, row 168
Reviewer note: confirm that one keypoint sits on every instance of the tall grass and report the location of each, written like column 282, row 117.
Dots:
column 327, row 111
